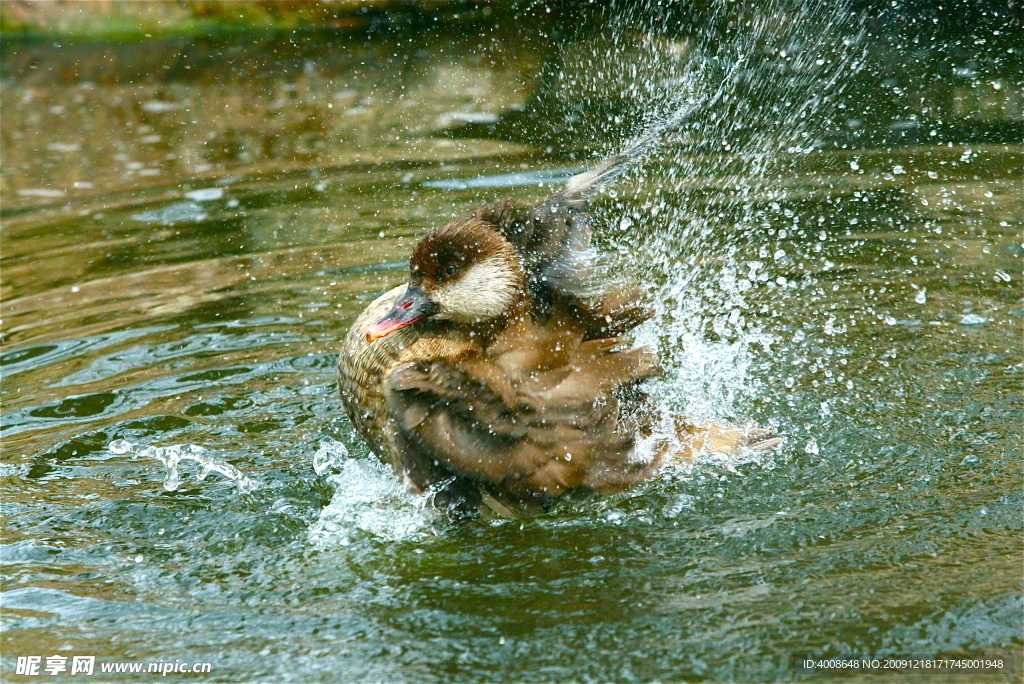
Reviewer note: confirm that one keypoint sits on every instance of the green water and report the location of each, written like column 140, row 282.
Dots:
column 880, row 330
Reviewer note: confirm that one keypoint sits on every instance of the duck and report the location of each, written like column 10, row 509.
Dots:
column 500, row 378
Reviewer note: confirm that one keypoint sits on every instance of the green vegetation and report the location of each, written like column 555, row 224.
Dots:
column 124, row 19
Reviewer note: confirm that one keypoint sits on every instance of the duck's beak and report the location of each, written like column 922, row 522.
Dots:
column 413, row 306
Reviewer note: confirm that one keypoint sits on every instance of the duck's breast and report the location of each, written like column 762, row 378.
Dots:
column 363, row 367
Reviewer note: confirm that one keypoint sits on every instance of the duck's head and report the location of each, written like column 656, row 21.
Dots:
column 465, row 272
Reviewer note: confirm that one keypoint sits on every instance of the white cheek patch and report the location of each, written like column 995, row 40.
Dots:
column 487, row 290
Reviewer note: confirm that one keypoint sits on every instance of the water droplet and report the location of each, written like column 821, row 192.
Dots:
column 615, row 517
column 681, row 503
column 120, row 446
column 330, row 455
column 172, row 480
column 922, row 296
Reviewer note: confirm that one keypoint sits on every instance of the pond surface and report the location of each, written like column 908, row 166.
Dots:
column 191, row 225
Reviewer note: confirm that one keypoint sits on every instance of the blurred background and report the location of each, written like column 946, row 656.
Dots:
column 181, row 90
column 197, row 198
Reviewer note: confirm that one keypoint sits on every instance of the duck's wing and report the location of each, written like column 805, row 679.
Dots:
column 553, row 240
column 553, row 237
column 559, row 431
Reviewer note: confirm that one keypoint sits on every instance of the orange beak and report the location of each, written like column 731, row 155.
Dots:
column 411, row 307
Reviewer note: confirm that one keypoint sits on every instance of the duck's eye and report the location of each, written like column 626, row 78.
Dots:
column 451, row 269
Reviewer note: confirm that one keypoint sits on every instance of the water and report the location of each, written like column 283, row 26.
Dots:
column 184, row 248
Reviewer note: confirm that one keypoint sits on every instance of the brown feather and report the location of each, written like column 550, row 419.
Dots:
column 524, row 422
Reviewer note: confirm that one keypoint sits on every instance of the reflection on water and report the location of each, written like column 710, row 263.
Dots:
column 238, row 203
column 88, row 119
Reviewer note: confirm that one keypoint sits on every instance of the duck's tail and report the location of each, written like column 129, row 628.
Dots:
column 707, row 437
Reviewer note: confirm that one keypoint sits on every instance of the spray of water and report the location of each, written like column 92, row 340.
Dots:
column 369, row 502
column 172, row 456
column 694, row 220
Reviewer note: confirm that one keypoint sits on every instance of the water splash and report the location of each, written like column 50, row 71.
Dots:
column 171, row 456
column 704, row 222
column 332, row 455
column 369, row 502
